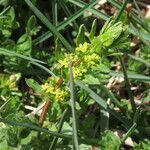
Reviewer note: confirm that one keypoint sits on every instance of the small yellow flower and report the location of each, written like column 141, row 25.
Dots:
column 58, row 94
column 63, row 63
column 91, row 59
column 83, row 47
column 78, row 71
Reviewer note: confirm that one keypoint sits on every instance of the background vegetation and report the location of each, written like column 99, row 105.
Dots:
column 74, row 74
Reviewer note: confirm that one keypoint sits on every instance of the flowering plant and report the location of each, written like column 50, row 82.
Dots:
column 88, row 61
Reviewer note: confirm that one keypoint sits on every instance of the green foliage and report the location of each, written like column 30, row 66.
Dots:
column 80, row 37
column 145, row 144
column 112, row 35
column 7, row 24
column 98, row 101
column 93, row 30
column 109, row 141
column 34, row 85
column 32, row 28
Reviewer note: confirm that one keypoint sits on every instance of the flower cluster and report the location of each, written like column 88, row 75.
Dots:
column 83, row 61
column 83, row 47
column 9, row 82
column 54, row 88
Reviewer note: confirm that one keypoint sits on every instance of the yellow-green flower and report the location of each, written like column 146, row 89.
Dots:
column 49, row 88
column 61, row 94
column 64, row 63
column 91, row 59
column 83, row 47
column 78, row 72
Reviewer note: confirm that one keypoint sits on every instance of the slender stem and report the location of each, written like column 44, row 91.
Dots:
column 68, row 13
column 93, row 10
column 52, row 133
column 54, row 12
column 130, row 131
column 54, row 141
column 121, row 11
column 73, row 107
column 127, row 84
column 111, row 96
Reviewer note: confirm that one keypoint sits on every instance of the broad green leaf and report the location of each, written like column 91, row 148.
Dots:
column 89, row 79
column 34, row 85
column 31, row 22
column 32, row 28
column 24, row 45
column 109, row 33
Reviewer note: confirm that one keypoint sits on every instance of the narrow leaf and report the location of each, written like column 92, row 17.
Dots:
column 93, row 30
column 80, row 37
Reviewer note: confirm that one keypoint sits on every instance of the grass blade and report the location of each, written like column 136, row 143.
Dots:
column 121, row 11
column 127, row 84
column 138, row 77
column 103, row 111
column 64, row 23
column 125, row 123
column 68, row 13
column 92, row 10
column 73, row 107
column 110, row 95
column 102, row 103
column 140, row 60
column 104, row 120
column 44, row 68
column 118, row 5
column 54, row 141
column 11, row 53
column 49, row 25
column 130, row 131
column 92, row 94
column 54, row 12
column 52, row 133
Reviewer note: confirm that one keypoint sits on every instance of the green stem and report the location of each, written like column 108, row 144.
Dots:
column 54, row 141
column 111, row 96
column 121, row 11
column 52, row 133
column 127, row 84
column 73, row 107
column 68, row 13
column 130, row 131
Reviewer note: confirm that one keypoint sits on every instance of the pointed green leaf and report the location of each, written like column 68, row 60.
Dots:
column 93, row 30
column 80, row 37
